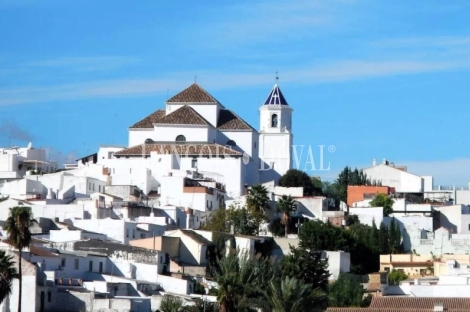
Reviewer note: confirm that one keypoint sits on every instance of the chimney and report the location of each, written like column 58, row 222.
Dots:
column 384, row 161
column 374, row 162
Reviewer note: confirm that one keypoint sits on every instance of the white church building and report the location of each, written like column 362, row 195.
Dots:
column 194, row 147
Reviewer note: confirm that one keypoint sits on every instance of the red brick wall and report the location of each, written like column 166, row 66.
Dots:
column 356, row 193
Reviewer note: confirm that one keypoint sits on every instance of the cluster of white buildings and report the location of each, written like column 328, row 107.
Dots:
column 121, row 227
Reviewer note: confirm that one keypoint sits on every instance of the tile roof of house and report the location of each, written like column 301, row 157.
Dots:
column 198, row 238
column 182, row 148
column 185, row 115
column 35, row 250
column 420, row 303
column 390, row 309
column 228, row 120
column 193, row 94
column 410, row 304
column 147, row 122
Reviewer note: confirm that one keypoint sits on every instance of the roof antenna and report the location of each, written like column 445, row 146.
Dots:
column 195, row 79
column 277, row 77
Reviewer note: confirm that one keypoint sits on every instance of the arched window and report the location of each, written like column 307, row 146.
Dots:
column 180, row 138
column 148, row 141
column 231, row 143
column 274, row 120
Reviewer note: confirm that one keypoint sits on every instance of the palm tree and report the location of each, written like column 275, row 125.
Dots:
column 286, row 205
column 290, row 294
column 239, row 280
column 8, row 272
column 258, row 203
column 171, row 304
column 257, row 198
column 17, row 225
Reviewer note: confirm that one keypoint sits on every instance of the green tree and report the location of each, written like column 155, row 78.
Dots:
column 242, row 221
column 297, row 178
column 352, row 219
column 286, row 205
column 349, row 177
column 257, row 203
column 395, row 277
column 171, row 304
column 346, row 291
column 18, row 226
column 217, row 222
column 290, row 294
column 307, row 266
column 394, row 237
column 374, row 238
column 317, row 235
column 383, row 200
column 384, row 246
column 239, row 278
column 8, row 272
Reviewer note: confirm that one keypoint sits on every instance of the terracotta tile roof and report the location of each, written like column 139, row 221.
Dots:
column 420, row 303
column 185, row 115
column 229, row 121
column 410, row 304
column 147, row 122
column 184, row 148
column 34, row 250
column 193, row 94
column 391, row 309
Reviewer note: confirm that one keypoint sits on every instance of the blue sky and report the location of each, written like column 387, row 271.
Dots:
column 383, row 79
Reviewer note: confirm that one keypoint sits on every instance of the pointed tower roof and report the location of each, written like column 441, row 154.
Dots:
column 275, row 97
column 193, row 94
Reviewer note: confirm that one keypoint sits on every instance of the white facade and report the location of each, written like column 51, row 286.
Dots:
column 120, row 230
column 389, row 175
column 16, row 161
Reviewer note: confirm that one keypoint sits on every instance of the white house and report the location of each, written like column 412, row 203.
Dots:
column 395, row 176
column 15, row 162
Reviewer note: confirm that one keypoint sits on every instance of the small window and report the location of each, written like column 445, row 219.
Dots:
column 231, row 143
column 93, row 186
column 142, row 235
column 274, row 120
column 99, row 188
column 76, row 264
column 133, row 233
column 469, row 227
column 90, row 266
column 401, row 270
column 254, row 145
column 180, row 138
column 110, row 155
column 387, row 269
column 49, row 296
column 89, row 186
column 62, row 262
column 100, row 269
column 194, row 163
column 127, row 232
column 161, row 259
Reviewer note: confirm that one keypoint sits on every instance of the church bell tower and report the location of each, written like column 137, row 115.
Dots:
column 275, row 136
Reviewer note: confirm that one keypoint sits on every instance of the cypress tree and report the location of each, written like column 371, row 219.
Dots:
column 374, row 238
column 383, row 239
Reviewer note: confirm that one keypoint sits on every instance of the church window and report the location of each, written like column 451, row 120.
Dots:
column 274, row 120
column 231, row 143
column 180, row 138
